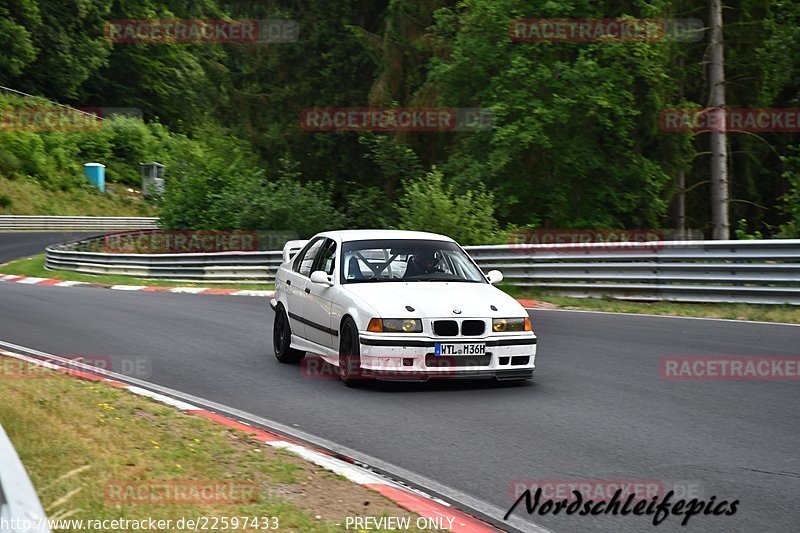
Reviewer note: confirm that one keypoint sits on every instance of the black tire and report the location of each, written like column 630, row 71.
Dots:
column 282, row 339
column 349, row 353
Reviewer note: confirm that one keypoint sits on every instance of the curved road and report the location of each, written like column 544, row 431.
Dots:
column 598, row 408
column 15, row 244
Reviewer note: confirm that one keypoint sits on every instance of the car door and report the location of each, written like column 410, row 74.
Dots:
column 296, row 281
column 319, row 299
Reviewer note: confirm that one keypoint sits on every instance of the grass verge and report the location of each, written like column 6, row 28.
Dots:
column 763, row 313
column 26, row 197
column 97, row 452
column 34, row 267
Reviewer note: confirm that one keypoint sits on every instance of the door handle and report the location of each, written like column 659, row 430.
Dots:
column 308, row 291
column 288, row 282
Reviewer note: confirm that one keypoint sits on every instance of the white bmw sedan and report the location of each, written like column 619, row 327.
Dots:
column 397, row 305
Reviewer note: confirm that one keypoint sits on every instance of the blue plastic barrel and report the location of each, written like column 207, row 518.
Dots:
column 96, row 173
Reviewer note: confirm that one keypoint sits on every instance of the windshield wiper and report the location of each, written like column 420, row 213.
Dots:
column 374, row 280
column 443, row 279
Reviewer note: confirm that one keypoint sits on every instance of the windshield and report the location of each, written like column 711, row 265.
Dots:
column 387, row 260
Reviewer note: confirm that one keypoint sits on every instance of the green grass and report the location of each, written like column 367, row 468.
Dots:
column 30, row 198
column 77, row 438
column 34, row 267
column 764, row 313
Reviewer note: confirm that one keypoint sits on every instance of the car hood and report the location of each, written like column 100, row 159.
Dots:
column 436, row 299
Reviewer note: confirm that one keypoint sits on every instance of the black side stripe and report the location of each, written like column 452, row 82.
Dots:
column 314, row 325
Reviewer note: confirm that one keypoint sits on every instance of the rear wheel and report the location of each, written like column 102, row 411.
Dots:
column 349, row 354
column 282, row 339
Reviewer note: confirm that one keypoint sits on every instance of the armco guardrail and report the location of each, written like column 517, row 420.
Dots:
column 33, row 223
column 221, row 267
column 766, row 271
column 20, row 508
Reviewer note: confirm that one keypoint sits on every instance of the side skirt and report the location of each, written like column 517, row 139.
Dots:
column 306, row 345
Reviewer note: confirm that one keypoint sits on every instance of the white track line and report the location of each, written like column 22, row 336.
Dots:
column 253, row 293
column 351, row 471
column 189, row 290
column 337, row 466
column 183, row 406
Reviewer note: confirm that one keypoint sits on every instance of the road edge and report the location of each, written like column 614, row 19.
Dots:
column 12, row 278
column 395, row 488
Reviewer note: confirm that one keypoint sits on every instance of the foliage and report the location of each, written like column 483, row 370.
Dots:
column 368, row 207
column 575, row 143
column 791, row 201
column 741, row 233
column 218, row 193
column 430, row 204
column 567, row 146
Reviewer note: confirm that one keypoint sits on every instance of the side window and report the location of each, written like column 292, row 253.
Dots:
column 326, row 260
column 305, row 259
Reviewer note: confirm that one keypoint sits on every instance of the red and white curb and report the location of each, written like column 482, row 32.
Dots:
column 417, row 502
column 188, row 290
column 527, row 304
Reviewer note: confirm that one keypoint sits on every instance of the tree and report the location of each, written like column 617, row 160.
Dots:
column 429, row 204
column 720, row 197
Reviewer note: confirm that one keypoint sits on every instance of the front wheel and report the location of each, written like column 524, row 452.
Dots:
column 282, row 339
column 349, row 353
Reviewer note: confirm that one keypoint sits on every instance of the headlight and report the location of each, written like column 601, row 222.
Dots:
column 395, row 325
column 500, row 325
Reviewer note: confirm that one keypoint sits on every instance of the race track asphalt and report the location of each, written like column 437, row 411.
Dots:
column 16, row 244
column 598, row 408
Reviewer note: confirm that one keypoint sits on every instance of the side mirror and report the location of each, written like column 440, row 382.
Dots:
column 321, row 278
column 494, row 276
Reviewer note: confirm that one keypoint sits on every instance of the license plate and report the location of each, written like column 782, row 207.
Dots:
column 473, row 348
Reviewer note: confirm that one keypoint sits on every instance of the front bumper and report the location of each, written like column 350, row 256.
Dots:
column 500, row 375
column 396, row 357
